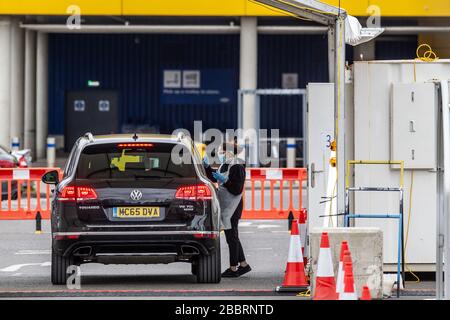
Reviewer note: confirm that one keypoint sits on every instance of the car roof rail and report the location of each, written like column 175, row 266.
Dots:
column 89, row 136
column 180, row 136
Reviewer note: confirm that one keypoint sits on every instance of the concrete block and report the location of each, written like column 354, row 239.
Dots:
column 366, row 247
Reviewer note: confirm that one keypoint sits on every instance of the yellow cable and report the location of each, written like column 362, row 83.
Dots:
column 427, row 56
column 407, row 227
column 330, row 218
column 338, row 92
column 306, row 293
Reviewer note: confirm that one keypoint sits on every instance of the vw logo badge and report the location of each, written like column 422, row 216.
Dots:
column 136, row 195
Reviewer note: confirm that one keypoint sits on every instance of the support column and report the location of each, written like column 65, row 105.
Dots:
column 248, row 77
column 17, row 85
column 5, row 71
column 340, row 112
column 30, row 92
column 331, row 52
column 41, row 94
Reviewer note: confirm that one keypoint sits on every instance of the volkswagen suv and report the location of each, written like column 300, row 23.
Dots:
column 134, row 199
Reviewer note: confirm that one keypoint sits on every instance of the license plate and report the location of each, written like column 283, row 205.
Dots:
column 136, row 212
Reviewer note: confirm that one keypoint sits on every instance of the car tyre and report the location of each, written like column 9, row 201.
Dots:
column 208, row 267
column 59, row 268
column 194, row 267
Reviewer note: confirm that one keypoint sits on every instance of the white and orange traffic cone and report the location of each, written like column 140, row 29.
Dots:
column 325, row 282
column 340, row 276
column 349, row 292
column 348, row 262
column 365, row 294
column 303, row 234
column 294, row 278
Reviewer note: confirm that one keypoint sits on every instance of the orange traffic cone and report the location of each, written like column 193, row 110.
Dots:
column 325, row 283
column 348, row 262
column 349, row 292
column 294, row 278
column 365, row 295
column 340, row 276
column 303, row 233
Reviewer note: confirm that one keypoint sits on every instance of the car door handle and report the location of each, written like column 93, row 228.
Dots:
column 313, row 175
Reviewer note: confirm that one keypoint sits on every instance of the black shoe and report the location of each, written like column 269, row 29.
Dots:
column 244, row 270
column 230, row 273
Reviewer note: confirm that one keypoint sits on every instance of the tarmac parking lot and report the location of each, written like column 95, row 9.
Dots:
column 26, row 256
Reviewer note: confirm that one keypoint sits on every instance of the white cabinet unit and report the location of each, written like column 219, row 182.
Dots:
column 413, row 124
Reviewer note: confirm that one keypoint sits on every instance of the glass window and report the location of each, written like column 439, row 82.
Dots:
column 134, row 161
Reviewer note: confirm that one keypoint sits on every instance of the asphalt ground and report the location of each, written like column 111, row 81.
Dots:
column 25, row 270
column 25, row 267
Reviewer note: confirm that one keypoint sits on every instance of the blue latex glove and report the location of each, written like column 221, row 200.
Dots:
column 219, row 177
column 205, row 162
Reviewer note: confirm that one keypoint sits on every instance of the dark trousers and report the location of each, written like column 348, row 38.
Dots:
column 232, row 236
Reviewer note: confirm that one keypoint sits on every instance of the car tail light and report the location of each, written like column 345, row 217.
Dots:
column 193, row 192
column 135, row 145
column 206, row 235
column 6, row 164
column 72, row 193
column 67, row 237
column 22, row 162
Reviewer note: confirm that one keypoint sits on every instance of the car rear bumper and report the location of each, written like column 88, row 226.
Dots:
column 134, row 246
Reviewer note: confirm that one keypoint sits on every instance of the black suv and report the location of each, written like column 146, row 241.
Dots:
column 133, row 199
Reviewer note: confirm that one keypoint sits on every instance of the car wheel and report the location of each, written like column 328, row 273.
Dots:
column 194, row 267
column 208, row 268
column 59, row 268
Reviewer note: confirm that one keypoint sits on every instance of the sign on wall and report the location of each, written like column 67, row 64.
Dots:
column 289, row 80
column 201, row 86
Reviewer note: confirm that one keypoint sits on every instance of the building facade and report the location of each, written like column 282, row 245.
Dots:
column 140, row 66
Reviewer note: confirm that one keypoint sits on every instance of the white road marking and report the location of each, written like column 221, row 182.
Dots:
column 245, row 223
column 17, row 267
column 246, row 232
column 21, row 252
column 264, row 248
column 266, row 226
column 280, row 231
column 16, row 274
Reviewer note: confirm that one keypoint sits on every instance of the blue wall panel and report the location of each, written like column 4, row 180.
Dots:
column 132, row 65
column 306, row 55
column 393, row 48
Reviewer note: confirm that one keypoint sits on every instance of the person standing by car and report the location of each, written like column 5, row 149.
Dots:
column 231, row 178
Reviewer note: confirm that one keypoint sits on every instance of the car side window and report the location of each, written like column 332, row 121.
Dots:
column 198, row 160
column 70, row 160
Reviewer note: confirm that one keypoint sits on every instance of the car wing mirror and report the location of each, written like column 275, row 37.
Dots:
column 51, row 177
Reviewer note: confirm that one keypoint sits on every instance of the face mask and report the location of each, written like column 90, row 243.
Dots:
column 222, row 157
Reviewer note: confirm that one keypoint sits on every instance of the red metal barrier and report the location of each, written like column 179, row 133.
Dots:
column 260, row 178
column 24, row 183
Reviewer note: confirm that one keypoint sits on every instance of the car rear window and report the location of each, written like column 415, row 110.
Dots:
column 134, row 161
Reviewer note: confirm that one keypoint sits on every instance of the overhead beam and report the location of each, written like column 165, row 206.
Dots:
column 299, row 9
column 218, row 29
